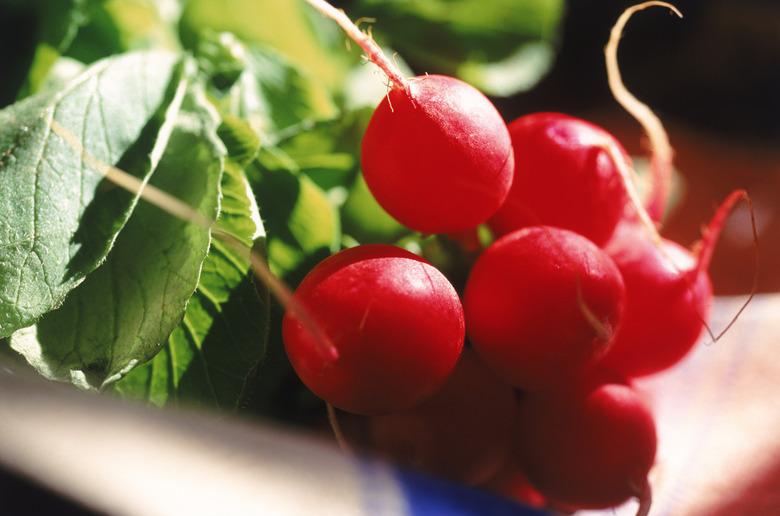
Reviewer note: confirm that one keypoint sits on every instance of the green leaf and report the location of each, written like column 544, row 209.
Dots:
column 58, row 217
column 123, row 313
column 328, row 152
column 501, row 47
column 118, row 26
column 60, row 73
column 516, row 73
column 365, row 220
column 269, row 92
column 38, row 31
column 288, row 26
column 241, row 141
column 302, row 223
column 210, row 359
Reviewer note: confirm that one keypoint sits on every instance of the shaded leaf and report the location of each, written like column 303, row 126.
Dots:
column 118, row 26
column 365, row 220
column 328, row 152
column 210, row 359
column 263, row 87
column 302, row 224
column 33, row 33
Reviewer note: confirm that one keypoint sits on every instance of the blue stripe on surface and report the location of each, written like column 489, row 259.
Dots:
column 429, row 496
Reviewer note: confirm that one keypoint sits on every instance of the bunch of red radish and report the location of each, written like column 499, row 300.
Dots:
column 521, row 382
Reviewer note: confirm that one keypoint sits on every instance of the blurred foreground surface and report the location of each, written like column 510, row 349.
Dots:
column 717, row 414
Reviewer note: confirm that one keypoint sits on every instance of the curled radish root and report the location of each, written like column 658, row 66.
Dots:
column 662, row 153
column 669, row 294
column 668, row 289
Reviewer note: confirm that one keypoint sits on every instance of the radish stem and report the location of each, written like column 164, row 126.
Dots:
column 710, row 239
column 366, row 42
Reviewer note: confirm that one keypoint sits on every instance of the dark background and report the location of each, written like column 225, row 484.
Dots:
column 717, row 68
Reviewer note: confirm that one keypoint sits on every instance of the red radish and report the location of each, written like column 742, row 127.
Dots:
column 668, row 289
column 541, row 304
column 463, row 432
column 587, row 446
column 668, row 301
column 564, row 176
column 668, row 294
column 436, row 155
column 390, row 329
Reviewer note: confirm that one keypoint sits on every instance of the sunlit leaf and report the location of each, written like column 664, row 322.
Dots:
column 287, row 26
column 123, row 313
column 59, row 217
column 264, row 88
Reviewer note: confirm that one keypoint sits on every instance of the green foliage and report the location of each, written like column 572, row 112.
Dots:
column 305, row 222
column 287, row 26
column 34, row 34
column 255, row 83
column 211, row 357
column 123, row 312
column 251, row 113
column 501, row 46
column 59, row 219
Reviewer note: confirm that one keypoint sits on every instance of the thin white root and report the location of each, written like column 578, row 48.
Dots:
column 336, row 427
column 662, row 153
column 603, row 333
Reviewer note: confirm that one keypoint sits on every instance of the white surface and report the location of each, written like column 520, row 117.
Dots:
column 128, row 460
